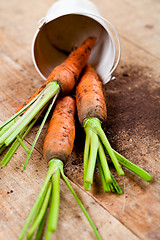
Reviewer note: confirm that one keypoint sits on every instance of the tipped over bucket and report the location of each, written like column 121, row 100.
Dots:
column 66, row 25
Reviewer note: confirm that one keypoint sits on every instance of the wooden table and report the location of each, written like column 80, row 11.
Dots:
column 132, row 127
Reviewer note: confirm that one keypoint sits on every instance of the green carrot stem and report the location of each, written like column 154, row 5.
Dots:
column 41, row 227
column 16, row 143
column 10, row 153
column 18, row 113
column 20, row 124
column 52, row 169
column 112, row 187
column 80, row 204
column 134, row 168
column 50, row 90
column 39, row 131
column 109, row 149
column 1, row 144
column 41, row 212
column 33, row 211
column 38, row 209
column 92, row 158
column 104, row 164
column 116, row 186
column 2, row 148
column 23, row 145
column 6, row 127
column 95, row 125
column 87, row 186
column 106, row 187
column 55, row 200
column 54, row 204
column 88, row 131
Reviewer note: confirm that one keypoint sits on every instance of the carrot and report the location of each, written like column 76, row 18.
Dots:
column 92, row 111
column 62, row 79
column 67, row 73
column 58, row 145
column 59, row 140
column 89, row 96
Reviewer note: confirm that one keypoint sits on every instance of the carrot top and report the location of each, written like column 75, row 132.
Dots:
column 67, row 73
column 91, row 111
column 62, row 79
column 58, row 145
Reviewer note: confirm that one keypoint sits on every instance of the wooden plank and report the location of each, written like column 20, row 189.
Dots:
column 136, row 22
column 19, row 190
column 132, row 126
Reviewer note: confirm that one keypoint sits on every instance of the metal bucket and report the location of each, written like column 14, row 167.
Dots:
column 66, row 25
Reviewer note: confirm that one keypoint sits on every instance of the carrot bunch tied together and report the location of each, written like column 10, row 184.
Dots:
column 61, row 80
column 92, row 112
column 58, row 145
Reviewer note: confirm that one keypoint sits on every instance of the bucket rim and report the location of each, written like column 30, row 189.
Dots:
column 43, row 21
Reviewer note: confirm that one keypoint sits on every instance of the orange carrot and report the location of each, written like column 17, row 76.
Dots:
column 62, row 79
column 91, row 111
column 90, row 100
column 60, row 136
column 58, row 145
column 67, row 73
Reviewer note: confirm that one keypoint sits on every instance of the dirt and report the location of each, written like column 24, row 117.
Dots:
column 133, row 102
column 133, row 116
column 132, row 128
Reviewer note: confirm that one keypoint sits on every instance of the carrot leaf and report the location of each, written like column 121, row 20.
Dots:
column 88, row 131
column 16, row 143
column 134, row 168
column 44, row 96
column 39, row 131
column 116, row 157
column 6, row 127
column 2, row 148
column 17, row 127
column 92, row 158
column 54, row 204
column 41, row 212
column 106, row 186
column 36, row 208
column 80, row 204
column 23, row 145
column 41, row 227
column 95, row 125
column 115, row 185
column 17, row 114
column 104, row 164
column 93, row 152
column 49, row 197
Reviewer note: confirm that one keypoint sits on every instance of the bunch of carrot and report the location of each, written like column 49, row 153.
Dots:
column 58, row 145
column 59, row 140
column 61, row 80
column 92, row 111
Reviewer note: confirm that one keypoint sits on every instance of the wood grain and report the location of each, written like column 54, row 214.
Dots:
column 132, row 126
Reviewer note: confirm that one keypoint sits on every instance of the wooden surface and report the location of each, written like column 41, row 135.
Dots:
column 132, row 127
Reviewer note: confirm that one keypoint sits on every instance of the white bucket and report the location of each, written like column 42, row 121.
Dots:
column 67, row 24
